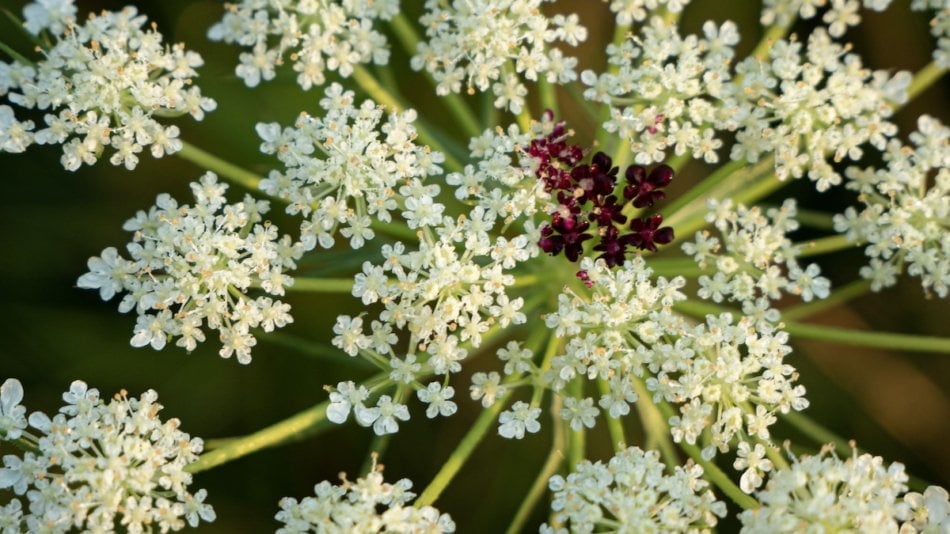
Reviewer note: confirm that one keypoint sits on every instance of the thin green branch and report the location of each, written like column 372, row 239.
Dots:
column 924, row 78
column 225, row 169
column 838, row 296
column 865, row 338
column 827, row 245
column 614, row 425
column 409, row 40
column 551, row 465
column 304, row 424
column 654, row 426
column 460, row 455
column 711, row 471
column 322, row 285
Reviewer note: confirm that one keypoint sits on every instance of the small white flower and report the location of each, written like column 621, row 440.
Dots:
column 519, row 419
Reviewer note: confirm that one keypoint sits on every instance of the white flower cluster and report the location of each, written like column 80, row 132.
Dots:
column 906, row 210
column 800, row 106
column 446, row 293
column 103, row 83
column 320, row 36
column 633, row 493
column 503, row 182
column 859, row 494
column 727, row 377
column 366, row 505
column 749, row 259
column 939, row 27
column 351, row 167
column 840, row 14
column 629, row 11
column 493, row 44
column 193, row 265
column 97, row 466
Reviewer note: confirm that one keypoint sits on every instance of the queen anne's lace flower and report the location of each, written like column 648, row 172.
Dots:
column 101, row 466
column 365, row 505
column 102, row 83
column 483, row 44
column 320, row 36
column 906, row 210
column 802, row 105
column 633, row 493
column 755, row 260
column 727, row 377
column 192, row 266
column 351, row 167
column 859, row 494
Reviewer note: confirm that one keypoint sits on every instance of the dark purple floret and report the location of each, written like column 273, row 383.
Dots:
column 587, row 194
column 584, row 277
column 644, row 188
column 647, row 233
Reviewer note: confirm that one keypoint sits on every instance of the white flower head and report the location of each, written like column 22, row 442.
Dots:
column 365, row 505
column 102, row 466
column 190, row 266
column 634, row 493
column 473, row 43
column 104, row 83
column 319, row 36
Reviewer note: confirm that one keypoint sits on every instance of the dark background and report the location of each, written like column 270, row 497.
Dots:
column 51, row 333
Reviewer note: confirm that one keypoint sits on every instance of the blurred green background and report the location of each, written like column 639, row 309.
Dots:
column 51, row 221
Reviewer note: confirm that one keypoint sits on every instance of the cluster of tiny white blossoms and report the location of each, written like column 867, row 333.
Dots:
column 104, row 83
column 859, row 494
column 939, row 27
column 502, row 179
column 840, row 15
column 629, row 11
column 801, row 104
column 192, row 266
column 367, row 505
column 495, row 44
column 445, row 294
column 97, row 466
column 320, row 36
column 350, row 167
column 748, row 260
column 906, row 210
column 633, row 493
column 727, row 377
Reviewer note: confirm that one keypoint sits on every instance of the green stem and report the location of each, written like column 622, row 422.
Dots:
column 711, row 471
column 676, row 210
column 838, row 296
column 864, row 338
column 548, row 95
column 924, row 78
column 382, row 96
column 304, row 424
column 322, row 285
column 614, row 425
column 219, row 166
column 551, row 465
column 815, row 219
column 409, row 40
column 826, row 245
column 654, row 425
column 670, row 267
column 577, row 445
column 461, row 453
column 772, row 35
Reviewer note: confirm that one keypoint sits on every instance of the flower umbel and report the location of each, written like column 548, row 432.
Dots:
column 102, row 466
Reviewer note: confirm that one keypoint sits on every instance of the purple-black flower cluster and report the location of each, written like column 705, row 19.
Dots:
column 589, row 205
